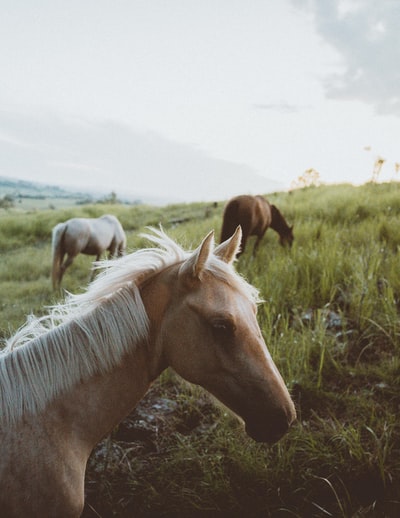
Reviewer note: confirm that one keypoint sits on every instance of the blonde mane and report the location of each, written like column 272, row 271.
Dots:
column 89, row 333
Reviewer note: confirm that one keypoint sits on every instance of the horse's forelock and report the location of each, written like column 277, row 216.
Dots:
column 227, row 274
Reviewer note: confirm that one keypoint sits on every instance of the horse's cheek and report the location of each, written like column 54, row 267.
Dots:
column 188, row 355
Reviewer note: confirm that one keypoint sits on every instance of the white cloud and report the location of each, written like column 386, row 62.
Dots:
column 367, row 36
column 348, row 7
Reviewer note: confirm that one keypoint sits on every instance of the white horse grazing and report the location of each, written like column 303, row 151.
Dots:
column 67, row 379
column 90, row 236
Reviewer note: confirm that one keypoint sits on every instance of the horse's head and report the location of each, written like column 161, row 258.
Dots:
column 286, row 237
column 211, row 337
column 279, row 224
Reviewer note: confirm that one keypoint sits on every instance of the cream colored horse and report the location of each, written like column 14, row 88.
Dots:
column 68, row 379
column 90, row 236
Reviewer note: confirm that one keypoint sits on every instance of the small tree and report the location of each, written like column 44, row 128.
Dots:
column 7, row 202
column 377, row 168
column 110, row 198
column 310, row 177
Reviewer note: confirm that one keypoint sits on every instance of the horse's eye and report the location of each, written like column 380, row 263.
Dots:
column 223, row 327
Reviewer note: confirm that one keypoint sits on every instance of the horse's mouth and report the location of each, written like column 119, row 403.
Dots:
column 266, row 434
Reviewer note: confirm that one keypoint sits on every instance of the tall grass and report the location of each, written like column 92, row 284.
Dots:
column 330, row 317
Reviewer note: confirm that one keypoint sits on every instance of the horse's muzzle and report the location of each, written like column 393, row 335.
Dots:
column 278, row 425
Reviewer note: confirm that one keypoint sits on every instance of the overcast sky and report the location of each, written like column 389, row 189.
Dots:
column 202, row 97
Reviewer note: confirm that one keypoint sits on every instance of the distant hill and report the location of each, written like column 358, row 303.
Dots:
column 27, row 189
column 101, row 156
column 35, row 195
column 29, row 195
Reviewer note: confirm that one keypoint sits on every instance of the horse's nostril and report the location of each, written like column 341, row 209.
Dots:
column 272, row 430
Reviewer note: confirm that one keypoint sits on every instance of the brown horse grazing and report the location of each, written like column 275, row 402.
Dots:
column 90, row 236
column 67, row 379
column 255, row 215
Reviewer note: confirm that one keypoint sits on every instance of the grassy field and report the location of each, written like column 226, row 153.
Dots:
column 331, row 321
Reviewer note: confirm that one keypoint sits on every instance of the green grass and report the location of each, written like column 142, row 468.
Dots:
column 330, row 318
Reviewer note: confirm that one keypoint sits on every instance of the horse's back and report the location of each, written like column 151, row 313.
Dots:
column 92, row 236
column 109, row 232
column 262, row 213
column 77, row 235
column 252, row 213
column 119, row 232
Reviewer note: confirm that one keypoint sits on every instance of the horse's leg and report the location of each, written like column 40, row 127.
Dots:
column 120, row 250
column 117, row 248
column 60, row 271
column 258, row 241
column 64, row 266
column 257, row 244
column 112, row 250
column 98, row 256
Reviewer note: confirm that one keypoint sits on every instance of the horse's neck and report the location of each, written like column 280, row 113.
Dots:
column 278, row 222
column 92, row 409
column 99, row 404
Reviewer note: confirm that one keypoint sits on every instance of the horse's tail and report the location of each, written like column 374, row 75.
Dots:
column 57, row 253
column 230, row 220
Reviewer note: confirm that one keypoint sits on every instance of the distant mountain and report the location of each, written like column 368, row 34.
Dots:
column 99, row 157
column 27, row 189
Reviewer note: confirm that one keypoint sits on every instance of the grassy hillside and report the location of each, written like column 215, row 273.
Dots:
column 331, row 321
column 27, row 195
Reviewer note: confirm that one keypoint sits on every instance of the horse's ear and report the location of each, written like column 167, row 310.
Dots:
column 228, row 250
column 194, row 265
